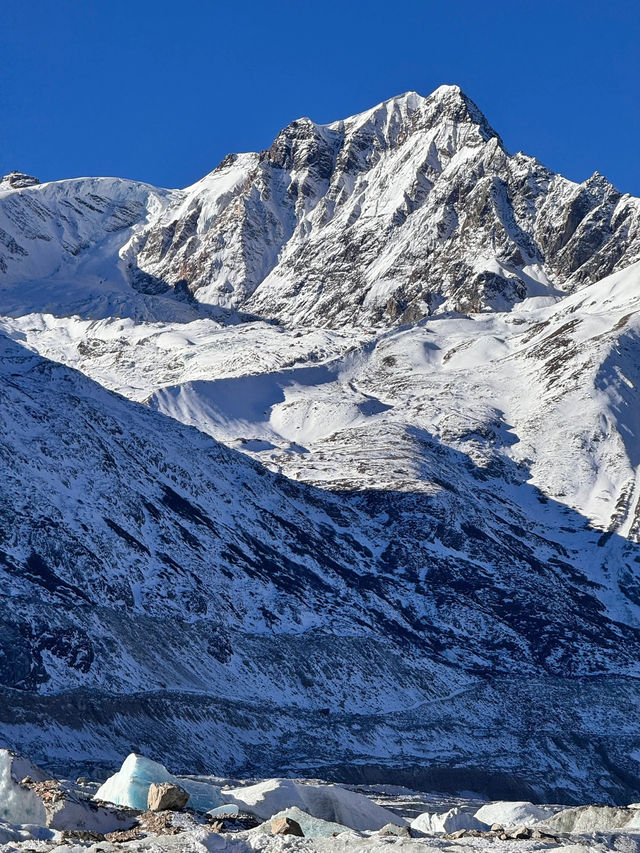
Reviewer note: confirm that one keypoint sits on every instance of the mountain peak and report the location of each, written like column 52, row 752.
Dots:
column 447, row 103
column 451, row 102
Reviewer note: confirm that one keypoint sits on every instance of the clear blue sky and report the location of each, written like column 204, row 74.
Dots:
column 161, row 91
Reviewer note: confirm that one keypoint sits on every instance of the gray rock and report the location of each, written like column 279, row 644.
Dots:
column 520, row 832
column 392, row 829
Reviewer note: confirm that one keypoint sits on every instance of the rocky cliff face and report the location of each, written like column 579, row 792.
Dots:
column 415, row 329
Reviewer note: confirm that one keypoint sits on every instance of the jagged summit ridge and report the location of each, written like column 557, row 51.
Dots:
column 406, row 210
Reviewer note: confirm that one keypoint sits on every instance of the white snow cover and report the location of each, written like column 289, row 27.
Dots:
column 130, row 785
column 18, row 805
column 327, row 802
column 508, row 813
column 449, row 821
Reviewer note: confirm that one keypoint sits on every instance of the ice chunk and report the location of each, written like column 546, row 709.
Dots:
column 18, row 804
column 45, row 801
column 130, row 785
column 326, row 802
column 451, row 821
column 26, row 832
column 513, row 813
column 228, row 810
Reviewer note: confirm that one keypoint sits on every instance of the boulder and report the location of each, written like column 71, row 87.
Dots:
column 521, row 832
column 286, row 826
column 164, row 796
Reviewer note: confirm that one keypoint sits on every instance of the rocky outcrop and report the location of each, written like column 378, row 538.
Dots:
column 17, row 181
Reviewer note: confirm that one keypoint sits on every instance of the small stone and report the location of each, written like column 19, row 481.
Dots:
column 497, row 827
column 27, row 781
column 521, row 832
column 539, row 835
column 392, row 829
column 459, row 833
column 286, row 826
column 166, row 797
column 217, row 826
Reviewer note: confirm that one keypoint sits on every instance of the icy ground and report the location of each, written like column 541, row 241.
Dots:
column 80, row 818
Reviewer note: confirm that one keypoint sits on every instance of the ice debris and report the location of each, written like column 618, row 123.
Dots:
column 26, row 832
column 594, row 819
column 19, row 804
column 28, row 795
column 450, row 821
column 326, row 802
column 507, row 813
column 130, row 785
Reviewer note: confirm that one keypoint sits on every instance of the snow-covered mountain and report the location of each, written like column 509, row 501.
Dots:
column 409, row 209
column 439, row 342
